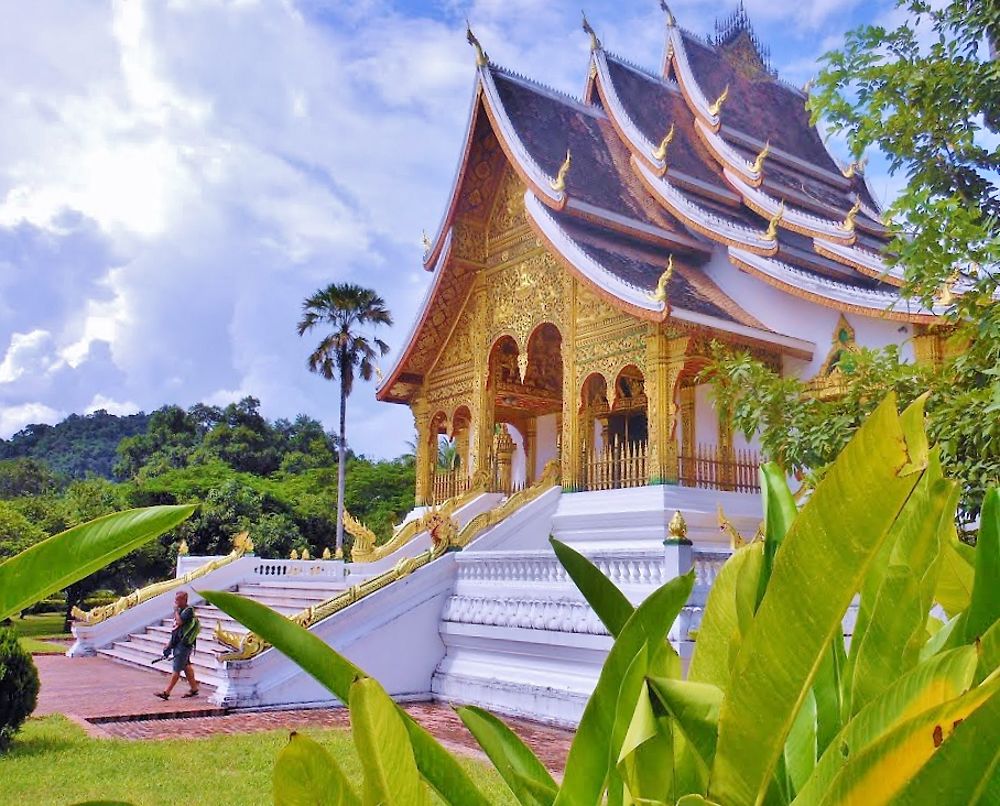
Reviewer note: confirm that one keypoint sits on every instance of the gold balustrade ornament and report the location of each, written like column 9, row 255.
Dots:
column 241, row 545
column 445, row 535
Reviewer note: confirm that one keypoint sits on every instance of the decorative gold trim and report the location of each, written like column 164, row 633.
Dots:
column 852, row 214
column 716, row 105
column 677, row 529
column 559, row 183
column 660, row 295
column 241, row 545
column 595, row 43
column 481, row 58
column 661, row 150
column 758, row 163
column 771, row 233
column 853, row 168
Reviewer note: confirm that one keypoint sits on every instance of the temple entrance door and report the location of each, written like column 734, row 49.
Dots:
column 527, row 392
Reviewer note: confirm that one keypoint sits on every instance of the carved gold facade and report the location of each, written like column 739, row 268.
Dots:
column 529, row 339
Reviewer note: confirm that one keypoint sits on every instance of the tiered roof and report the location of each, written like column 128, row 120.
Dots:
column 714, row 148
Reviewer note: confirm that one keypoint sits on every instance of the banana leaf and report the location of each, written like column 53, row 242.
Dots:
column 513, row 759
column 966, row 768
column 817, row 571
column 779, row 512
column 610, row 604
column 989, row 653
column 592, row 753
column 694, row 708
column 438, row 767
column 984, row 606
column 720, row 621
column 954, row 585
column 70, row 556
column 938, row 680
column 380, row 737
column 885, row 767
column 305, row 774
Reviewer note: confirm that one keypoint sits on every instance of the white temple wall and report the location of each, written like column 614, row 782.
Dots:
column 547, row 435
column 706, row 419
column 793, row 316
column 517, row 460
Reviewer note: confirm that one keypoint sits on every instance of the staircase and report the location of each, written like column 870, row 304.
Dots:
column 287, row 595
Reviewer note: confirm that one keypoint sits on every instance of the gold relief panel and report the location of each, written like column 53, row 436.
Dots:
column 508, row 207
column 522, row 296
column 610, row 356
column 468, row 241
column 457, row 352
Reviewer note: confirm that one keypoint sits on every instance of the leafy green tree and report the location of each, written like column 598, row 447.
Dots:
column 171, row 436
column 16, row 532
column 26, row 476
column 245, row 440
column 345, row 311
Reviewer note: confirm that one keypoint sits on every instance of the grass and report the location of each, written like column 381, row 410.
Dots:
column 54, row 762
column 36, row 647
column 44, row 625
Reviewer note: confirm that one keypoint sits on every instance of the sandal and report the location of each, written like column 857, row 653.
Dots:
column 163, row 695
column 190, row 694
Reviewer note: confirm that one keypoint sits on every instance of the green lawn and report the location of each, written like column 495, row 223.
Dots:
column 53, row 762
column 37, row 647
column 45, row 625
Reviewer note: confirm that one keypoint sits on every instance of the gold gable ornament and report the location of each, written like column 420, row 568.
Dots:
column 771, row 233
column 660, row 294
column 852, row 214
column 481, row 58
column 671, row 20
column 661, row 150
column 595, row 43
column 853, row 168
column 559, row 183
column 716, row 106
column 758, row 164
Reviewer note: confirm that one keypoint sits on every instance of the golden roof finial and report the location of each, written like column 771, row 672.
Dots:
column 661, row 150
column 677, row 529
column 660, row 294
column 481, row 58
column 758, row 164
column 855, row 168
column 378, row 373
column 595, row 43
column 771, row 233
column 559, row 183
column 716, row 107
column 848, row 225
column 946, row 294
column 671, row 21
column 425, row 239
column 726, row 526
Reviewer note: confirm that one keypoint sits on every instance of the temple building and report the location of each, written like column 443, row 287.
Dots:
column 594, row 248
column 593, row 251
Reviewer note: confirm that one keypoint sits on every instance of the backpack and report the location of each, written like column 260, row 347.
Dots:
column 187, row 634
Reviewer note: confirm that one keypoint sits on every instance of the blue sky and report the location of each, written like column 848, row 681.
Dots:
column 176, row 176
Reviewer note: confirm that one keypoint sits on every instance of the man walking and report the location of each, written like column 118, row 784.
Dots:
column 182, row 641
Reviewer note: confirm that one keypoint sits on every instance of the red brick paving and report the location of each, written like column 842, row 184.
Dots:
column 99, row 692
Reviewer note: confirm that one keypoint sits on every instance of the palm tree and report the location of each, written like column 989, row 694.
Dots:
column 346, row 309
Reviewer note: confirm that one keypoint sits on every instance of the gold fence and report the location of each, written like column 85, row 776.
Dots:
column 710, row 467
column 449, row 484
column 614, row 466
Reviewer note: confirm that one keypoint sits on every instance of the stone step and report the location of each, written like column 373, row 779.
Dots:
column 121, row 652
column 152, row 650
column 295, row 602
column 326, row 587
column 154, row 642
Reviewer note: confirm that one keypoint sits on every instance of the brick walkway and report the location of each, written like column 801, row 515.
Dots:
column 114, row 700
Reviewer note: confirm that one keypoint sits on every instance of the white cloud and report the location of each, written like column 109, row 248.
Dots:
column 26, row 353
column 111, row 406
column 14, row 418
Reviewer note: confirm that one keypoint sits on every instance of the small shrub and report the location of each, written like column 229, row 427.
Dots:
column 18, row 686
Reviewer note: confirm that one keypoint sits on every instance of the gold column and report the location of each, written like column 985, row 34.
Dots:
column 462, row 446
column 727, row 458
column 425, row 457
column 569, row 441
column 504, row 450
column 665, row 355
column 688, row 434
column 483, row 397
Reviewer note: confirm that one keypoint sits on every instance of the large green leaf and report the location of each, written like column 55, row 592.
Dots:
column 936, row 681
column 610, row 604
column 591, row 754
column 989, row 653
column 984, row 607
column 720, row 622
column 885, row 767
column 966, row 768
column 954, row 584
column 827, row 689
column 895, row 634
column 305, row 774
column 438, row 767
column 817, row 571
column 514, row 760
column 391, row 776
column 800, row 747
column 70, row 556
column 779, row 513
column 634, row 725
column 694, row 707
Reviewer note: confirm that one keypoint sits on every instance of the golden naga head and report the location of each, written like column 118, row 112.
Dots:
column 852, row 214
column 481, row 58
column 857, row 167
column 758, row 164
column 660, row 294
column 595, row 43
column 771, row 233
column 242, row 544
column 946, row 294
column 671, row 21
column 559, row 183
column 716, row 106
column 661, row 150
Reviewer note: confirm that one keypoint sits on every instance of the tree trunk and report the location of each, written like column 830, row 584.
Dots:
column 341, row 467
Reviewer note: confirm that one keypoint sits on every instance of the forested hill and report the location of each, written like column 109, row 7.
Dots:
column 79, row 445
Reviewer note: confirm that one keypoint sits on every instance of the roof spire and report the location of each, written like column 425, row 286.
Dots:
column 559, row 183
column 595, row 43
column 661, row 150
column 671, row 21
column 481, row 58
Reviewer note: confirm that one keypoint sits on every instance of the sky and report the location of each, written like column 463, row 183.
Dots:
column 176, row 176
